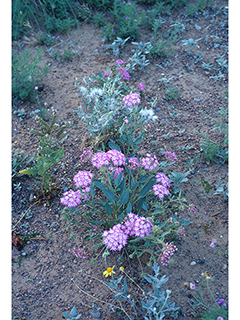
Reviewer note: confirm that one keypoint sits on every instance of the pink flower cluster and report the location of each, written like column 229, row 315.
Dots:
column 181, row 232
column 167, row 252
column 131, row 99
column 170, row 155
column 133, row 163
column 101, row 159
column 140, row 86
column 86, row 154
column 160, row 191
column 124, row 73
column 120, row 62
column 163, row 179
column 106, row 74
column 116, row 238
column 83, row 179
column 79, row 252
column 116, row 170
column 72, row 198
column 150, row 163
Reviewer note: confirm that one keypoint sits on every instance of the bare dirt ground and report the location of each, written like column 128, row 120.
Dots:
column 50, row 279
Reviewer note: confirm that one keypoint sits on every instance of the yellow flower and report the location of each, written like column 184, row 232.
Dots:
column 108, row 272
column 207, row 275
column 121, row 268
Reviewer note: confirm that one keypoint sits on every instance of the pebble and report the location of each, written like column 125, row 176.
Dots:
column 95, row 313
column 198, row 27
column 196, row 99
column 65, row 189
column 158, row 109
column 201, row 261
column 193, row 263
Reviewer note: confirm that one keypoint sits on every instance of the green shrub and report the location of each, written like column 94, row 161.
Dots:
column 26, row 74
column 57, row 15
column 128, row 21
column 45, row 39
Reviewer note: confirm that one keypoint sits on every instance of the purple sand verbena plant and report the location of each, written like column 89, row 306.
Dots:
column 132, row 192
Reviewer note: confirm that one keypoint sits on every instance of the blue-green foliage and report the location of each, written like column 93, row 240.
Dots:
column 26, row 74
column 73, row 314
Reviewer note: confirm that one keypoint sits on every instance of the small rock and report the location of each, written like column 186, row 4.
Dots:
column 201, row 261
column 158, row 109
column 65, row 189
column 193, row 263
column 198, row 27
column 95, row 313
column 196, row 99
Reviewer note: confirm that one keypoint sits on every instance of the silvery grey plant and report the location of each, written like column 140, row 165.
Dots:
column 155, row 305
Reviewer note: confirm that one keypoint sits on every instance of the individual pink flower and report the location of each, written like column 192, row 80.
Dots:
column 191, row 208
column 160, row 191
column 127, row 18
column 131, row 99
column 192, row 286
column 126, row 120
column 71, row 198
column 220, row 318
column 212, row 243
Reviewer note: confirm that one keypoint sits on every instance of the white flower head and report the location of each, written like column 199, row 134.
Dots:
column 149, row 114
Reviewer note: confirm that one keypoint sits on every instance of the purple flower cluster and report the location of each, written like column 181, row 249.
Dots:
column 106, row 74
column 170, row 155
column 163, row 179
column 101, row 159
column 116, row 170
column 212, row 245
column 117, row 157
column 79, row 252
column 140, row 86
column 116, row 238
column 221, row 302
column 167, row 252
column 124, row 73
column 131, row 99
column 181, row 232
column 160, row 191
column 120, row 62
column 137, row 226
column 192, row 208
column 133, row 163
column 72, row 198
column 150, row 163
column 86, row 154
column 83, row 179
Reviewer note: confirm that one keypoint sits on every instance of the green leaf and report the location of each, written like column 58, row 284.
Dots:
column 113, row 146
column 65, row 315
column 129, row 208
column 92, row 190
column 145, row 206
column 29, row 171
column 146, row 188
column 124, row 198
column 118, row 179
column 73, row 312
column 125, row 287
column 158, row 211
column 109, row 195
column 108, row 209
column 98, row 184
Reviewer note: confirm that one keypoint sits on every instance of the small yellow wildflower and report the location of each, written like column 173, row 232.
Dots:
column 207, row 275
column 109, row 272
column 121, row 268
